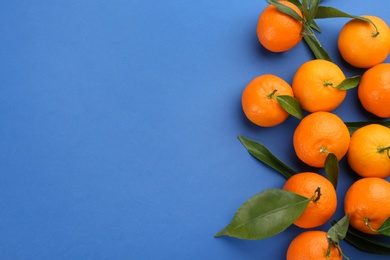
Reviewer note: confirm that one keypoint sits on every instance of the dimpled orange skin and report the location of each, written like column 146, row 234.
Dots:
column 318, row 212
column 363, row 155
column 261, row 108
column 279, row 32
column 359, row 47
column 318, row 134
column 368, row 198
column 314, row 85
column 374, row 90
column 312, row 245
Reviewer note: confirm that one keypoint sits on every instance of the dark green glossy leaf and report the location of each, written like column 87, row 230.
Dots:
column 366, row 242
column 261, row 153
column 291, row 105
column 331, row 12
column 348, row 83
column 305, row 9
column 316, row 48
column 353, row 126
column 384, row 229
column 339, row 230
column 285, row 9
column 266, row 214
column 332, row 169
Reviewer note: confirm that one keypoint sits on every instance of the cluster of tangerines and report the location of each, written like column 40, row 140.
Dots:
column 315, row 86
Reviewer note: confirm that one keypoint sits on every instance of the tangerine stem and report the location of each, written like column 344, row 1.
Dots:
column 382, row 149
column 271, row 95
column 367, row 223
column 327, row 84
column 318, row 193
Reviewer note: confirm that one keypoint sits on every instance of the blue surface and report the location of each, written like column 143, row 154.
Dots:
column 119, row 123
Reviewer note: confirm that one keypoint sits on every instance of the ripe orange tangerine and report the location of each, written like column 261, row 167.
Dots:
column 374, row 90
column 277, row 31
column 323, row 205
column 368, row 153
column 361, row 45
column 367, row 203
column 319, row 134
column 312, row 245
column 314, row 85
column 259, row 100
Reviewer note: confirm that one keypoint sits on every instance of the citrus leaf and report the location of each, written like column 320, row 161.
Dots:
column 316, row 48
column 265, row 214
column 291, row 105
column 332, row 169
column 305, row 9
column 349, row 83
column 339, row 230
column 309, row 9
column 353, row 126
column 261, row 153
column 384, row 229
column 285, row 9
column 331, row 12
column 365, row 242
column 315, row 26
column 297, row 3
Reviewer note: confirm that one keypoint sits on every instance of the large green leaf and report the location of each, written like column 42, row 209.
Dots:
column 291, row 105
column 265, row 214
column 261, row 153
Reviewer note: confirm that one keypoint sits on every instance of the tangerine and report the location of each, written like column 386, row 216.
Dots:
column 314, row 85
column 312, row 244
column 323, row 203
column 367, row 203
column 277, row 31
column 362, row 45
column 259, row 100
column 319, row 134
column 374, row 90
column 368, row 153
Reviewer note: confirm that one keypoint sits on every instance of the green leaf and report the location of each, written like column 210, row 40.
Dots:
column 339, row 230
column 316, row 48
column 331, row 12
column 349, row 83
column 315, row 26
column 309, row 9
column 261, row 153
column 305, row 9
column 365, row 242
column 332, row 169
column 353, row 126
column 384, row 229
column 265, row 214
column 285, row 9
column 297, row 3
column 291, row 105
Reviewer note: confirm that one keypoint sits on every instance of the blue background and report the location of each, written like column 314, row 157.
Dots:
column 119, row 123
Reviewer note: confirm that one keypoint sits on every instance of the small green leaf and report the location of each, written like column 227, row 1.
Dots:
column 349, row 83
column 365, row 242
column 291, row 105
column 353, row 126
column 315, row 26
column 339, row 230
column 265, row 214
column 332, row 169
column 384, row 229
column 310, row 9
column 297, row 3
column 316, row 48
column 285, row 9
column 261, row 153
